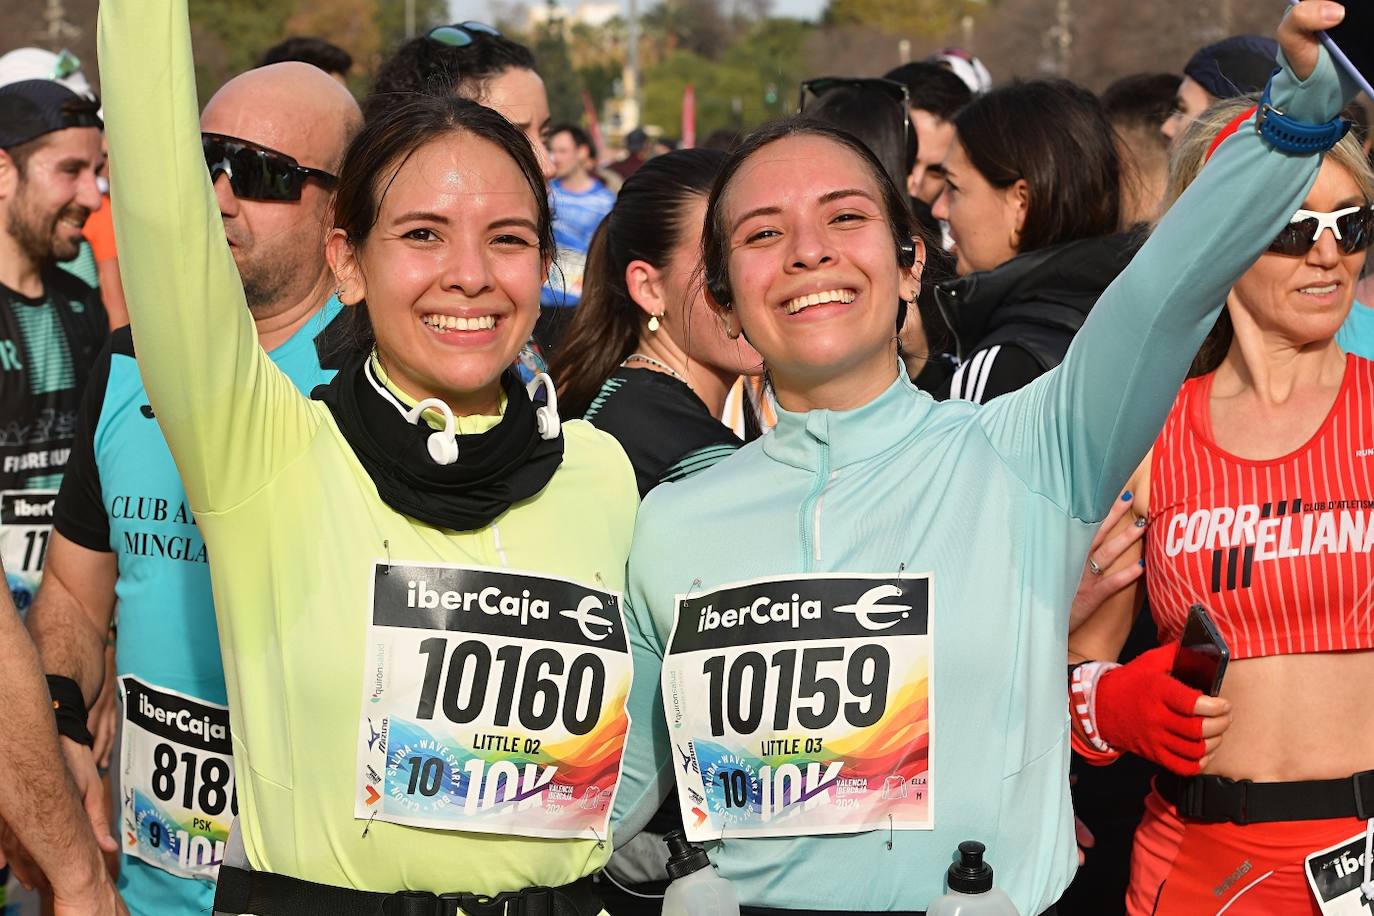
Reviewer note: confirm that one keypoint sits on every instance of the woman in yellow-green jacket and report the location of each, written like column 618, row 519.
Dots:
column 417, row 571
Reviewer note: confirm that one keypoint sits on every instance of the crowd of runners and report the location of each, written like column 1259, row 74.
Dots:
column 408, row 509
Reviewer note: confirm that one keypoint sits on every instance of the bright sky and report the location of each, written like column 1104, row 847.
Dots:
column 477, row 9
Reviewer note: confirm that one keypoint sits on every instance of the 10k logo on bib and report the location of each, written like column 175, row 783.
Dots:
column 801, row 705
column 493, row 701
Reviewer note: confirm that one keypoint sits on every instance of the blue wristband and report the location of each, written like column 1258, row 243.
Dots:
column 1290, row 136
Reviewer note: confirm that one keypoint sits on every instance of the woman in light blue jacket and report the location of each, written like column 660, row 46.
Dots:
column 850, row 636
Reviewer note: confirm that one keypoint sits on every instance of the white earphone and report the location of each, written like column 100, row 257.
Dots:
column 547, row 415
column 443, row 444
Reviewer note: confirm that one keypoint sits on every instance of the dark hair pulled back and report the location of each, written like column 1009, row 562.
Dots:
column 387, row 141
column 715, row 240
column 1056, row 136
column 425, row 65
column 873, row 116
column 646, row 224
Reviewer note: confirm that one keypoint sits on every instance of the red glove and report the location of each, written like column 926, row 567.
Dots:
column 1142, row 709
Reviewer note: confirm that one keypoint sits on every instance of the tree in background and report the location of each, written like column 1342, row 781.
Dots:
column 561, row 79
column 391, row 21
column 350, row 24
column 230, row 35
column 754, row 80
column 903, row 17
column 698, row 26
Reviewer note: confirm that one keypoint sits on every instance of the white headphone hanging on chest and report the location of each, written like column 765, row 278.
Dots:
column 443, row 444
column 547, row 415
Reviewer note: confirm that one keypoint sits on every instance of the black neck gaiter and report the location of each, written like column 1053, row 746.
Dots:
column 506, row 464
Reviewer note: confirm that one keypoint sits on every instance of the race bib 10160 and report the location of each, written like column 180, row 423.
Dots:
column 802, row 705
column 493, row 701
column 177, row 779
column 25, row 525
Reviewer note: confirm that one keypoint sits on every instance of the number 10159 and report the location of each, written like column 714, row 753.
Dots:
column 737, row 691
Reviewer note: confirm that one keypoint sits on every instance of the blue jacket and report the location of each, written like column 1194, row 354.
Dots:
column 998, row 503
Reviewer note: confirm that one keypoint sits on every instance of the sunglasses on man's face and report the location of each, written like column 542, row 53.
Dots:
column 1352, row 227
column 460, row 35
column 258, row 173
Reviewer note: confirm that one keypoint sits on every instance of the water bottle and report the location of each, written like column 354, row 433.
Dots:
column 696, row 889
column 971, row 892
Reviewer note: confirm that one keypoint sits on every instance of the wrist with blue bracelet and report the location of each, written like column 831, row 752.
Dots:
column 1292, row 136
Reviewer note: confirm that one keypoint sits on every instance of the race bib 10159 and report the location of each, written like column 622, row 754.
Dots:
column 493, row 701
column 177, row 779
column 802, row 705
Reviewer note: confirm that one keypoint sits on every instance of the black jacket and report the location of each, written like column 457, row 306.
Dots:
column 1014, row 322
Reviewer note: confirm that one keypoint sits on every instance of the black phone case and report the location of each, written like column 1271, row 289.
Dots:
column 1202, row 653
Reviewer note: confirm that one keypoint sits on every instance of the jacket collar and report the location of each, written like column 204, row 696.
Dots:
column 1073, row 274
column 838, row 438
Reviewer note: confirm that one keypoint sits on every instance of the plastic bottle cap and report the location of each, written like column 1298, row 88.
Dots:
column 970, row 875
column 684, row 858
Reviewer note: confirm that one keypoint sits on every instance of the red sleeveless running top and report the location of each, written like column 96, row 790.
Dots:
column 1278, row 551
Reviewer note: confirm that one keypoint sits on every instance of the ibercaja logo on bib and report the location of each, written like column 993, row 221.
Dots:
column 493, row 701
column 801, row 705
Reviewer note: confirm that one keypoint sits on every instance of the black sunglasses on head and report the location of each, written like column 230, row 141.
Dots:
column 258, row 173
column 461, row 34
column 1353, row 228
column 812, row 90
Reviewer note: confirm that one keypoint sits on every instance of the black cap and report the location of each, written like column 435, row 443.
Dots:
column 1235, row 66
column 684, row 858
column 31, row 108
column 970, row 875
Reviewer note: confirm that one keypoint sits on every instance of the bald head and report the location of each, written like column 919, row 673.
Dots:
column 291, row 107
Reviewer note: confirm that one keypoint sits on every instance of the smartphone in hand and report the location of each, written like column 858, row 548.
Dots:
column 1202, row 654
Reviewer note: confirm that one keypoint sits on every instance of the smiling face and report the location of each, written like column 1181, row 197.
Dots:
column 47, row 202
column 1305, row 299
column 814, row 273
column 450, row 272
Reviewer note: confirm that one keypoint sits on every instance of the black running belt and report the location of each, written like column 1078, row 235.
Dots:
column 266, row 894
column 1216, row 799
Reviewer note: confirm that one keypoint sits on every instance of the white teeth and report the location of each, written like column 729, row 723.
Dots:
column 793, row 306
column 1319, row 290
column 456, row 323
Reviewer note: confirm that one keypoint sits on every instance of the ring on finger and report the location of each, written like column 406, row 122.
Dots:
column 1093, row 567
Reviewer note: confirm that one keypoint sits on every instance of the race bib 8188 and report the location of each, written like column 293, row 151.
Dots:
column 802, row 705
column 493, row 701
column 177, row 779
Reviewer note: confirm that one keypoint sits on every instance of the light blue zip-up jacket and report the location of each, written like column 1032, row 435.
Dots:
column 999, row 503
